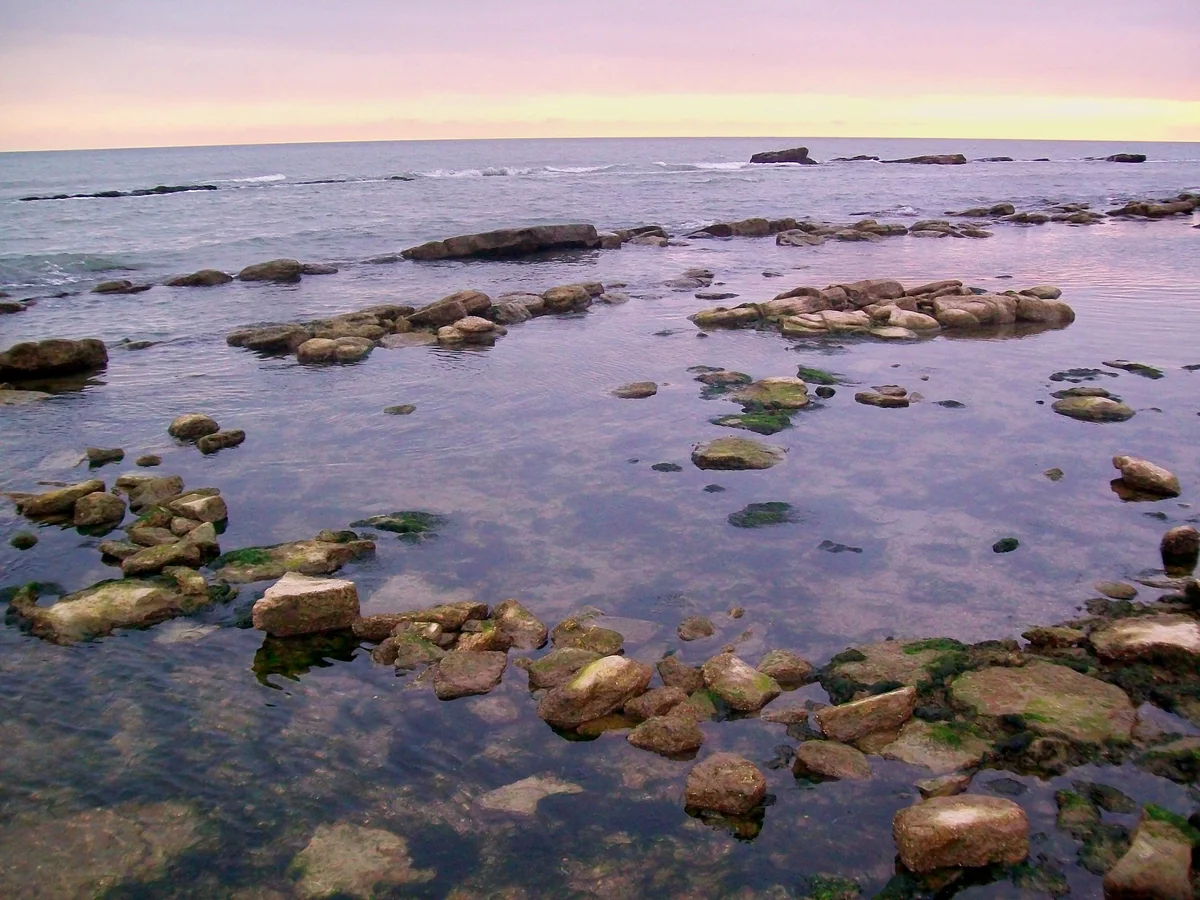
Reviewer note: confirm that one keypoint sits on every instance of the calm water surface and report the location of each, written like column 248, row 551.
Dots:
column 547, row 483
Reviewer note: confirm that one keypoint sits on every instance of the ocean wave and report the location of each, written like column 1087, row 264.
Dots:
column 57, row 270
column 257, row 179
column 579, row 170
column 703, row 166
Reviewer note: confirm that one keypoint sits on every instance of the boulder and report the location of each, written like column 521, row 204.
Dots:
column 1046, row 312
column 487, row 636
column 657, row 702
column 694, row 628
column 944, row 785
column 556, row 667
column 914, row 321
column 882, row 400
column 884, row 712
column 318, row 269
column 52, row 357
column 450, row 309
column 466, row 673
column 567, row 297
column 961, row 832
column 637, row 390
column 523, row 628
column 744, row 688
column 58, row 502
column 733, row 453
column 726, row 784
column 450, row 616
column 98, row 509
column 300, row 604
column 1093, row 409
column 584, row 634
column 797, row 155
column 146, row 491
column 1180, row 549
column 508, row 242
column 798, row 238
column 154, row 559
column 1042, row 292
column 201, row 507
column 667, row 736
column 785, row 667
column 191, row 426
column 1159, row 638
column 939, row 747
column 337, row 350
column 278, row 270
column 1126, row 158
column 270, row 338
column 220, row 440
column 943, row 159
column 1054, row 701
column 599, row 688
column 303, row 557
column 675, row 673
column 784, row 392
column 122, row 286
column 203, row 278
column 720, row 317
column 1158, row 864
column 101, row 456
column 1145, row 476
column 346, row 860
column 830, row 760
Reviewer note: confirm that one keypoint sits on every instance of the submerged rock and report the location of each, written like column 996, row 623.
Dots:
column 736, row 453
column 300, row 604
column 345, row 860
column 598, row 689
column 406, row 523
column 830, row 760
column 466, row 673
column 657, row 702
column 744, row 688
column 761, row 515
column 726, row 784
column 1093, row 409
column 1144, row 475
column 961, row 832
column 522, row 797
column 1159, row 861
column 303, row 557
column 694, row 628
column 667, row 736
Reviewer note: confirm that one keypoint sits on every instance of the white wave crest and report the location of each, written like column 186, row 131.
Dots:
column 257, row 179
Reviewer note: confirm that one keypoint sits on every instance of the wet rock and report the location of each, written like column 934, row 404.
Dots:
column 221, row 440
column 153, row 560
column 556, row 667
column 584, row 634
column 451, row 616
column 345, row 860
column 1136, row 368
column 939, row 747
column 1145, row 476
column 830, row 760
column 98, row 509
column 121, row 286
column 487, row 637
column 736, row 453
column 965, row 831
column 694, row 628
column 773, row 393
column 669, row 736
column 118, row 549
column 103, row 608
column 283, row 271
column 677, row 674
column 146, row 491
column 270, row 338
column 201, row 507
column 599, row 688
column 882, row 400
column 1180, row 550
column 11, row 397
column 408, row 650
column 1126, row 158
column 303, row 557
column 1116, row 590
column 522, row 797
column 52, row 357
column 657, row 702
column 192, row 426
column 785, row 715
column 1159, row 862
column 508, row 242
column 99, row 456
column 144, row 534
column 203, row 278
column 59, row 502
column 466, row 673
column 943, row 785
column 523, row 628
column 638, row 390
column 725, row 783
column 785, row 667
column 798, row 155
column 699, row 707
column 567, row 297
column 1042, row 292
column 1093, row 409
column 451, row 309
column 740, row 686
column 884, row 712
column 1161, row 638
column 1054, row 474
column 318, row 269
column 1006, row 545
column 1053, row 700
column 339, row 350
column 23, row 540
column 300, row 604
column 692, row 280
column 942, row 159
column 404, row 409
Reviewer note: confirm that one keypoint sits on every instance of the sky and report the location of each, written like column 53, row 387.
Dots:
column 135, row 73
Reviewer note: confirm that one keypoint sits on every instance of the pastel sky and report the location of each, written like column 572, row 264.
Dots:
column 122, row 73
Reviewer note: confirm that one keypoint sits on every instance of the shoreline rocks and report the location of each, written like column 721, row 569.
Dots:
column 507, row 242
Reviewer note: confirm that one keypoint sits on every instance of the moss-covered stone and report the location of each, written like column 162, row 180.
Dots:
column 761, row 515
column 409, row 524
column 765, row 423
column 303, row 557
column 817, row 376
column 736, row 453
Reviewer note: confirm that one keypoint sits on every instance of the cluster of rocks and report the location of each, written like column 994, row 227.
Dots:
column 159, row 190
column 515, row 242
column 1183, row 204
column 799, row 155
column 203, row 431
column 278, row 271
column 885, row 309
column 465, row 317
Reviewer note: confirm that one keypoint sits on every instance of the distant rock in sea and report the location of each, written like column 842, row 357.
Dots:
column 1126, row 158
column 508, row 242
column 798, row 155
column 945, row 159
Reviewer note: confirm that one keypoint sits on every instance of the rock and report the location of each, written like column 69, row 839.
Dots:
column 59, row 502
column 318, row 269
column 884, row 712
column 669, row 736
column 1159, row 861
column 830, row 760
column 488, row 637
column 202, row 508
column 145, row 535
column 1006, row 545
column 203, row 278
column 556, row 667
column 103, row 608
column 736, row 453
column 146, row 491
column 404, row 409
column 522, row 797
column 638, row 390
column 118, row 549
column 191, row 426
column 120, row 287
column 774, row 393
column 882, row 400
column 523, row 628
column 338, row 350
column 451, row 309
column 675, row 673
column 725, row 783
column 345, row 860
column 940, row 747
column 797, row 238
column 742, row 687
column 1093, row 409
column 943, row 785
column 584, row 634
column 657, row 702
column 300, row 604
column 100, row 509
column 944, row 159
column 785, row 667
column 99, row 456
column 785, row 715
column 961, row 832
column 1160, row 638
column 277, row 270
column 694, row 628
column 10, row 397
column 508, row 242
column 913, row 321
column 720, row 317
column 303, row 557
column 270, row 338
column 799, row 156
column 466, row 673
column 23, row 540
column 1054, row 701
column 153, row 560
column 1042, row 292
column 599, row 688
column 1144, row 476
column 221, row 440
column 1126, row 158
column 451, row 616
column 52, row 357
column 408, row 650
column 1180, row 549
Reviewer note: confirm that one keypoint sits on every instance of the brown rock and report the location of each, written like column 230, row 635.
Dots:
column 851, row 721
column 302, row 604
column 725, row 783
column 961, row 832
column 675, row 673
column 657, row 702
column 827, row 759
column 508, row 242
column 1146, row 476
column 1180, row 550
column 466, row 673
column 667, row 736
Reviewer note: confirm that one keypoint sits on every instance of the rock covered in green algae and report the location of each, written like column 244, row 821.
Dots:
column 154, row 559
column 762, row 515
column 966, row 831
column 584, row 634
column 1093, row 409
column 734, row 453
column 817, row 376
column 301, row 604
column 725, row 783
column 407, row 650
column 556, row 667
column 220, row 440
column 667, row 735
column 738, row 684
column 489, row 636
column 701, row 706
column 773, row 393
column 23, row 540
column 638, row 390
column 849, row 722
column 303, row 557
column 524, row 629
column 346, row 860
column 821, row 760
column 1159, row 861
column 764, row 423
column 98, row 510
column 451, row 616
column 105, row 607
column 938, row 746
column 599, row 688
column 466, row 673
column 1136, row 368
column 406, row 523
column 695, row 628
column 1053, row 700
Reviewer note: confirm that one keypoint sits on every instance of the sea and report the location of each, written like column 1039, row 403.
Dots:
column 196, row 759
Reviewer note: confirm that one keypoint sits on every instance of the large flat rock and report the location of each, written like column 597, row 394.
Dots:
column 508, row 242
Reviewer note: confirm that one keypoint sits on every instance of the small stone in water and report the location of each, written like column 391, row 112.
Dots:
column 99, row 456
column 825, row 392
column 405, row 409
column 713, row 489
column 667, row 467
column 148, row 461
column 1054, row 474
column 831, row 547
column 23, row 540
column 952, row 404
column 1006, row 545
column 736, row 612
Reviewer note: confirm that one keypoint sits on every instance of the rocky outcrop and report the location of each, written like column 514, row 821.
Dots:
column 51, row 358
column 961, row 832
column 726, row 784
column 1126, row 158
column 943, row 159
column 508, row 242
column 282, row 271
column 798, row 155
column 203, row 278
column 300, row 604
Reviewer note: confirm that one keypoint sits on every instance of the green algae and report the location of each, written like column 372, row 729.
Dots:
column 1156, row 813
column 249, row 556
column 817, row 376
column 761, row 515
column 828, row 887
column 759, row 422
column 409, row 524
column 942, row 645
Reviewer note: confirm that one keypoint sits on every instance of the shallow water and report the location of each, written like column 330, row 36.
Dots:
column 551, row 498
